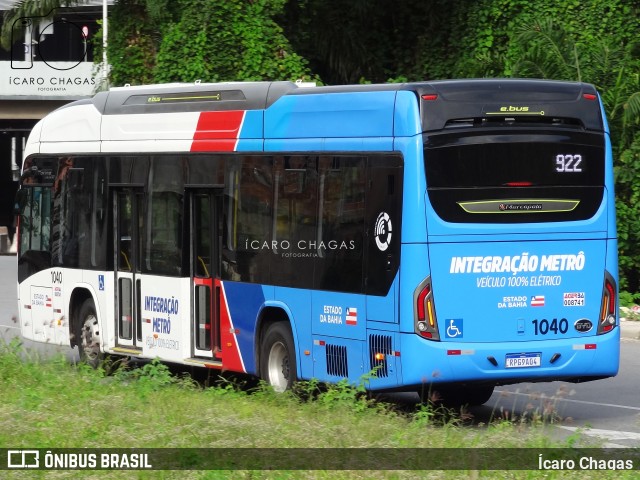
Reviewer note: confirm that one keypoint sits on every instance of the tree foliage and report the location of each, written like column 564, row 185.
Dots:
column 218, row 40
column 628, row 193
column 28, row 8
column 132, row 45
column 593, row 41
column 207, row 40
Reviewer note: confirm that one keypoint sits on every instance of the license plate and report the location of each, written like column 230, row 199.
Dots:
column 523, row 360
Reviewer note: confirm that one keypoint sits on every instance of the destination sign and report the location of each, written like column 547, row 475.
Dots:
column 185, row 97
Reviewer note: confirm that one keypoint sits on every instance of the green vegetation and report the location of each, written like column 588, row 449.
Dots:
column 52, row 404
column 369, row 41
column 208, row 40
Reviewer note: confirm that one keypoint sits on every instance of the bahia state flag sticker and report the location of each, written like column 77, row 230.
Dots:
column 352, row 316
column 537, row 301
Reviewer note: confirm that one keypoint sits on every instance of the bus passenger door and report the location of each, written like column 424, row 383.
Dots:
column 206, row 233
column 128, row 321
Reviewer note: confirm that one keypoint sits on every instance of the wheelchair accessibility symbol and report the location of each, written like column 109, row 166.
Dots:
column 454, row 328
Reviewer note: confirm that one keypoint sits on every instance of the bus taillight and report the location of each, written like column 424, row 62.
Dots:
column 607, row 320
column 519, row 184
column 426, row 324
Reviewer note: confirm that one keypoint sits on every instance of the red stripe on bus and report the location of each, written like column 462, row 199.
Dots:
column 213, row 145
column 231, row 357
column 217, row 131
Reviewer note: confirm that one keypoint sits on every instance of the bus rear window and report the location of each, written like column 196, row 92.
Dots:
column 487, row 176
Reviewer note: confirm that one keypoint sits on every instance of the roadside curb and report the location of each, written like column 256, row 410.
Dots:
column 629, row 328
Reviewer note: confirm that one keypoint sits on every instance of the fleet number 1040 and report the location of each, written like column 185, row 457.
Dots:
column 544, row 326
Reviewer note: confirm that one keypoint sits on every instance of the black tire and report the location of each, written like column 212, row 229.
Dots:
column 457, row 396
column 278, row 357
column 478, row 395
column 88, row 335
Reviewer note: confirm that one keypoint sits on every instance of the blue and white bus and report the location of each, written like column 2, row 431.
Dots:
column 455, row 235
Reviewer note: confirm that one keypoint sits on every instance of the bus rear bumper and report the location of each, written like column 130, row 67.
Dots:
column 572, row 359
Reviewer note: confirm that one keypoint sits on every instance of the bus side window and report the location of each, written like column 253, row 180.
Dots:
column 162, row 232
column 342, row 206
column 249, row 210
column 296, row 218
column 35, row 232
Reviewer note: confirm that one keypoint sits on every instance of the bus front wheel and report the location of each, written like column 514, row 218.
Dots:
column 278, row 357
column 88, row 334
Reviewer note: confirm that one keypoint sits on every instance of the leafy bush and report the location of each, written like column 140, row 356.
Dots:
column 628, row 210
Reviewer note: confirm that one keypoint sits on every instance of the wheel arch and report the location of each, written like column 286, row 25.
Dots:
column 78, row 296
column 270, row 313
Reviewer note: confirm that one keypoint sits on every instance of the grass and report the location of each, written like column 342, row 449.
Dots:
column 52, row 404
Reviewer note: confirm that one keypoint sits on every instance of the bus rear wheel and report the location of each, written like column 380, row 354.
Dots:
column 457, row 396
column 278, row 357
column 478, row 395
column 88, row 334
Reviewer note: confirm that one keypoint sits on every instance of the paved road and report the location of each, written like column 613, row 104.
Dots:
column 611, row 407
